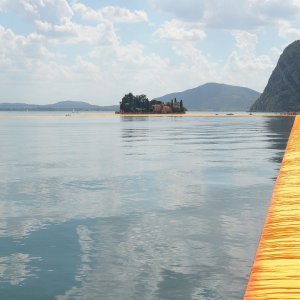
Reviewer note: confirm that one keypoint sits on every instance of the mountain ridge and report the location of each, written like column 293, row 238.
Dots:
column 213, row 96
column 65, row 105
column 282, row 92
column 207, row 97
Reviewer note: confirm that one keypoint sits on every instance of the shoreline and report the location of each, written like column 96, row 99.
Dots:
column 114, row 115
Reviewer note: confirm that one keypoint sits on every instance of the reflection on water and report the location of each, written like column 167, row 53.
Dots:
column 134, row 208
column 280, row 127
column 15, row 268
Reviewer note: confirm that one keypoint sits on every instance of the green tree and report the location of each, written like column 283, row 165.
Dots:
column 128, row 103
column 138, row 103
column 154, row 101
column 142, row 103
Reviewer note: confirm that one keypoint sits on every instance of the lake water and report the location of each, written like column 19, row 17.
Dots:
column 112, row 207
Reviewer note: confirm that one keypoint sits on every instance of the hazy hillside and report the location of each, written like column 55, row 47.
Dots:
column 215, row 97
column 282, row 92
column 59, row 106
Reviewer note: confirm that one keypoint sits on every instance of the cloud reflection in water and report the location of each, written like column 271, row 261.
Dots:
column 160, row 209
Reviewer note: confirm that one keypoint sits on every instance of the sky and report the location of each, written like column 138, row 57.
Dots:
column 98, row 50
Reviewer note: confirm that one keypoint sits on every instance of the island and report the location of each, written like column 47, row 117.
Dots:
column 140, row 104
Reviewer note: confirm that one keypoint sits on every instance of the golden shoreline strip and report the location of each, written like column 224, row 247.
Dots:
column 113, row 115
column 275, row 272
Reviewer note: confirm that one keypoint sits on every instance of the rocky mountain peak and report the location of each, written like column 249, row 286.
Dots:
column 282, row 92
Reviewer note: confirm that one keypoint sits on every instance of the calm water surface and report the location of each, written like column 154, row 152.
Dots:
column 134, row 208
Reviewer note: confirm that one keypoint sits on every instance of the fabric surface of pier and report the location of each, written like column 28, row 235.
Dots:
column 276, row 269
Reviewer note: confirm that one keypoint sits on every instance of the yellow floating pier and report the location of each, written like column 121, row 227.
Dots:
column 276, row 269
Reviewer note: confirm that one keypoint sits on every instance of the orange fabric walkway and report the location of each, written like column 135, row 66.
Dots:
column 276, row 269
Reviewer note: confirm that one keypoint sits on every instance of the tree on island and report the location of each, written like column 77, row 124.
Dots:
column 177, row 107
column 141, row 104
column 131, row 103
column 154, row 102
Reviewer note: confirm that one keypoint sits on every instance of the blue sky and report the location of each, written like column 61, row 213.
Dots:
column 98, row 50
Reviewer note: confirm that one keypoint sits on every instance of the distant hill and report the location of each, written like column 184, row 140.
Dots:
column 282, row 92
column 59, row 106
column 215, row 97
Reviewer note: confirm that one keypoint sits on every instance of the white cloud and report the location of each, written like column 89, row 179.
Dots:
column 103, row 33
column 110, row 62
column 74, row 33
column 276, row 10
column 118, row 14
column 177, row 30
column 29, row 7
column 191, row 10
column 113, row 13
column 72, row 44
column 19, row 48
column 232, row 15
column 129, row 67
column 52, row 11
column 196, row 68
column 87, row 12
column 27, row 60
column 245, row 41
column 42, row 25
column 288, row 32
column 244, row 67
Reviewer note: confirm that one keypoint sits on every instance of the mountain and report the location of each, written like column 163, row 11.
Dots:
column 59, row 106
column 282, row 92
column 215, row 97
